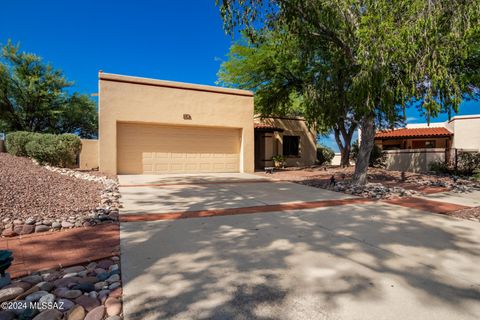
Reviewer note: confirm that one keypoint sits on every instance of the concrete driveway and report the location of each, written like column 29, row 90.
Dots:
column 355, row 261
column 471, row 198
column 176, row 193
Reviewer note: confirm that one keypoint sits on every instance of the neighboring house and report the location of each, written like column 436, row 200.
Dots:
column 289, row 137
column 149, row 126
column 414, row 138
column 413, row 148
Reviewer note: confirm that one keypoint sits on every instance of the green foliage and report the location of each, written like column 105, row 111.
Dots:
column 476, row 174
column 468, row 162
column 396, row 52
column 278, row 158
column 15, row 142
column 272, row 69
column 56, row 150
column 33, row 97
column 440, row 167
column 324, row 154
column 377, row 156
column 6, row 258
column 288, row 81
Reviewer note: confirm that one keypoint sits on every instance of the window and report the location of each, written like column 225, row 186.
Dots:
column 420, row 144
column 291, row 145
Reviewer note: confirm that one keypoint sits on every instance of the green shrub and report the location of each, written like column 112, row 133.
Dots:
column 476, row 174
column 56, row 150
column 468, row 162
column 44, row 149
column 16, row 141
column 324, row 154
column 69, row 148
column 377, row 156
column 439, row 167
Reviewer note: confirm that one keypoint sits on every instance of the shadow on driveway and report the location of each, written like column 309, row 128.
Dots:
column 365, row 261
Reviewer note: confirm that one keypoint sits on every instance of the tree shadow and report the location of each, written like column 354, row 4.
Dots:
column 313, row 263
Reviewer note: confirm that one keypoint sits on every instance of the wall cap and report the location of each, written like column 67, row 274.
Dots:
column 171, row 84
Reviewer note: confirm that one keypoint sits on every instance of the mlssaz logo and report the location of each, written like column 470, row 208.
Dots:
column 186, row 116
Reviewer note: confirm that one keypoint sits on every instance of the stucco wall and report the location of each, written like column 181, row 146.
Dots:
column 294, row 127
column 466, row 133
column 89, row 154
column 413, row 160
column 139, row 100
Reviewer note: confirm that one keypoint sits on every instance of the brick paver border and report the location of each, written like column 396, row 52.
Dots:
column 243, row 210
column 175, row 184
column 51, row 250
column 426, row 205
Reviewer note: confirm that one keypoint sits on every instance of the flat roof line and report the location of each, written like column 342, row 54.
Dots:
column 171, row 84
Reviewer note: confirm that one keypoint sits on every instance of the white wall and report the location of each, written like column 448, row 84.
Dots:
column 466, row 133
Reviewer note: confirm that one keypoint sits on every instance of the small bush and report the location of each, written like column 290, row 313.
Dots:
column 476, row 174
column 43, row 148
column 377, row 156
column 468, row 162
column 324, row 154
column 16, row 142
column 439, row 167
column 69, row 148
column 56, row 150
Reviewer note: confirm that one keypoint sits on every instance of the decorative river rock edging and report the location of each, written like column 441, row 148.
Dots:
column 92, row 292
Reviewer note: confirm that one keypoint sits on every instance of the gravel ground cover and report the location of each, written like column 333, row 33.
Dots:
column 34, row 198
column 470, row 214
column 382, row 184
column 92, row 292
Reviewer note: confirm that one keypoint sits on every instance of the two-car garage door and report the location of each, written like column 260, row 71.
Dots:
column 156, row 149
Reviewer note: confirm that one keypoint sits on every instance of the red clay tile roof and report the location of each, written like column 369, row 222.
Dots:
column 414, row 133
column 263, row 126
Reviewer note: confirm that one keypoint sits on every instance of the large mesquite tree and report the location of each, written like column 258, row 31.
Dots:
column 425, row 51
column 34, row 97
column 289, row 80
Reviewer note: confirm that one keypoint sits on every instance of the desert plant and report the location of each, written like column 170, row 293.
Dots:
column 324, row 154
column 439, row 167
column 68, row 150
column 6, row 258
column 16, row 141
column 58, row 150
column 44, row 149
column 278, row 160
column 377, row 156
column 468, row 162
column 476, row 174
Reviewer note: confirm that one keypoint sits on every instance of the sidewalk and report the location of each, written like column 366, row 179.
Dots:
column 50, row 250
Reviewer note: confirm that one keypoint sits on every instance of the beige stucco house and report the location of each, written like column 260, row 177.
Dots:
column 289, row 137
column 149, row 126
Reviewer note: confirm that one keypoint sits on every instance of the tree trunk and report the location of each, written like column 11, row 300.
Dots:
column 344, row 146
column 365, row 148
column 345, row 155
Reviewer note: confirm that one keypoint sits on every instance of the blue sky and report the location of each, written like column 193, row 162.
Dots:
column 170, row 40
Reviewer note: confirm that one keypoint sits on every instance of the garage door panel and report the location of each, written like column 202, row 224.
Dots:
column 155, row 149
